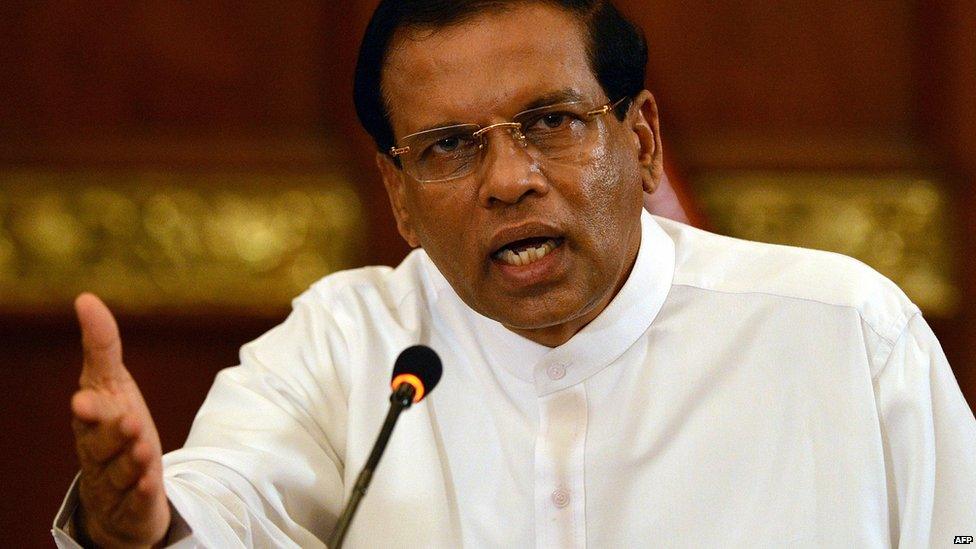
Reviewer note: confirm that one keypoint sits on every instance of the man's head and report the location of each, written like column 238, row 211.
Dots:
column 564, row 189
column 616, row 49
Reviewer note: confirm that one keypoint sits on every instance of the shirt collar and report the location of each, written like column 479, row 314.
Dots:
column 598, row 344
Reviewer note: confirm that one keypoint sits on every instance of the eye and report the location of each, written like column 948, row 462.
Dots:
column 552, row 122
column 446, row 145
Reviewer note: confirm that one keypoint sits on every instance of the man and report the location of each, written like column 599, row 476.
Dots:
column 611, row 379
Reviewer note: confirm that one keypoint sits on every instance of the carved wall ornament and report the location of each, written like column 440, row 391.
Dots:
column 900, row 224
column 172, row 242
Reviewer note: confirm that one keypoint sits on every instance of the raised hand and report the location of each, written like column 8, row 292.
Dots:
column 121, row 488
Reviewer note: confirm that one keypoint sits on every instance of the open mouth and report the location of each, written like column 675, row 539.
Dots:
column 526, row 251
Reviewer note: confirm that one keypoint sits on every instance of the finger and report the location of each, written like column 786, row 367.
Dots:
column 136, row 515
column 104, row 486
column 124, row 470
column 99, row 442
column 100, row 341
column 144, row 501
column 149, row 486
column 91, row 406
column 95, row 447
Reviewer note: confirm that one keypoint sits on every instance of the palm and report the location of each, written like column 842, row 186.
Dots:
column 121, row 489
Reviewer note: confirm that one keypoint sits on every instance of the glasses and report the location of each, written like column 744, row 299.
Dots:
column 556, row 133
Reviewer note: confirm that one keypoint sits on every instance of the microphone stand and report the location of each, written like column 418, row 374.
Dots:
column 400, row 400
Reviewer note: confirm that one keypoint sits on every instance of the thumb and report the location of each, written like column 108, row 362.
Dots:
column 100, row 341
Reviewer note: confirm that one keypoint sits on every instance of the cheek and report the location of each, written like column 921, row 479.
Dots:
column 611, row 184
column 432, row 208
column 443, row 222
column 609, row 200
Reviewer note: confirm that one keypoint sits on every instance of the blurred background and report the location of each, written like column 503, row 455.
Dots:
column 199, row 163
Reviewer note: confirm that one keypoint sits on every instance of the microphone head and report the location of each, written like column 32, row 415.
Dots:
column 419, row 366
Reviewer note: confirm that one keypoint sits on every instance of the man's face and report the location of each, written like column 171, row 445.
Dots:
column 584, row 212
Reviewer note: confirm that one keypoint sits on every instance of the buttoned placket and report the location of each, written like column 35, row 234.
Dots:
column 560, row 498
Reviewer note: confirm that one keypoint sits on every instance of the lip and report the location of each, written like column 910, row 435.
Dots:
column 508, row 235
column 537, row 272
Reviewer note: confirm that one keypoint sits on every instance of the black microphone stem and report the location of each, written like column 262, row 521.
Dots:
column 400, row 400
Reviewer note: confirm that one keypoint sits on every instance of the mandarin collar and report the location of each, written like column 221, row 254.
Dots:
column 589, row 351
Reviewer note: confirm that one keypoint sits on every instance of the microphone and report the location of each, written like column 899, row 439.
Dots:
column 415, row 374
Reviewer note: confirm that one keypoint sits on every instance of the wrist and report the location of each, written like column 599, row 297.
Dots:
column 85, row 534
column 79, row 529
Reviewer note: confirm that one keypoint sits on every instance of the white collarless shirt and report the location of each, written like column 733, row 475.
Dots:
column 732, row 394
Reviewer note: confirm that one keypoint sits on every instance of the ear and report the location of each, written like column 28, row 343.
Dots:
column 647, row 138
column 396, row 190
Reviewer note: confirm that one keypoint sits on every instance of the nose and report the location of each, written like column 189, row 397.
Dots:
column 509, row 173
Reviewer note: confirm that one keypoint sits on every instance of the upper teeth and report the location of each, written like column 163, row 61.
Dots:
column 528, row 255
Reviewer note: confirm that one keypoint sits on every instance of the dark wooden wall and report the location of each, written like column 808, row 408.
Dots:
column 217, row 84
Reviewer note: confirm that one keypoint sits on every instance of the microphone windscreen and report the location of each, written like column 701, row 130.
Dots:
column 421, row 363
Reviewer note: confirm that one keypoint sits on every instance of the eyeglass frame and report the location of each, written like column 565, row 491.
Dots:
column 514, row 127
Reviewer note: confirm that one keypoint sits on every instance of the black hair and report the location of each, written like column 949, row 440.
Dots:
column 616, row 48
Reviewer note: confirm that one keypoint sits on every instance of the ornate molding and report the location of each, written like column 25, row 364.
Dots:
column 172, row 241
column 900, row 224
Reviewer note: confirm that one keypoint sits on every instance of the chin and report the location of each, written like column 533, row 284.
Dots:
column 535, row 313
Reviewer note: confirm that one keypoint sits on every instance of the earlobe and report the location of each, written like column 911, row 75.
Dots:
column 647, row 131
column 396, row 191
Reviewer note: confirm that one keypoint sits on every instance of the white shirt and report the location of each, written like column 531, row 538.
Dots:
column 733, row 394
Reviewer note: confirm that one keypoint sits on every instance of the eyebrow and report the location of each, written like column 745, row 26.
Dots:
column 564, row 95
column 441, row 125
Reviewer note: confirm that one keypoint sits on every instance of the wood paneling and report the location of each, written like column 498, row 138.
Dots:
column 946, row 99
column 767, row 66
column 203, row 66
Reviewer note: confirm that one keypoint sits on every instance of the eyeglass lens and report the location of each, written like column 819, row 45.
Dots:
column 553, row 133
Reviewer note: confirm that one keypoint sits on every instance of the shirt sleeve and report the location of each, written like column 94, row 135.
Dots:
column 929, row 435
column 262, row 465
column 64, row 531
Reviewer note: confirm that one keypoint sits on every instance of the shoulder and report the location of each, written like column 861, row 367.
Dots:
column 716, row 263
column 369, row 290
column 347, row 315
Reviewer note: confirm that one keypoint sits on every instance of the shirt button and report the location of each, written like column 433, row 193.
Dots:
column 556, row 371
column 560, row 498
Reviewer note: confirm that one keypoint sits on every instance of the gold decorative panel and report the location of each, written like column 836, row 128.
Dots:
column 172, row 242
column 899, row 224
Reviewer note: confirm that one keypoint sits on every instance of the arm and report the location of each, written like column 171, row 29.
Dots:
column 929, row 435
column 262, row 463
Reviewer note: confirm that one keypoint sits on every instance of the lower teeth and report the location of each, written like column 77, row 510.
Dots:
column 527, row 256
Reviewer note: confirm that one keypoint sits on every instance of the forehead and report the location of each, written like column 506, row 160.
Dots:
column 485, row 69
